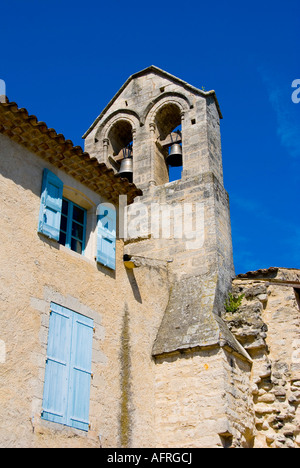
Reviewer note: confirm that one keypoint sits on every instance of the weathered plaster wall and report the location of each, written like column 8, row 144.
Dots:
column 35, row 271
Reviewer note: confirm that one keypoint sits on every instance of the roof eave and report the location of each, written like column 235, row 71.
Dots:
column 61, row 153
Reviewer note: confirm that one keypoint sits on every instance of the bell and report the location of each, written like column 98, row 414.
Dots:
column 126, row 169
column 174, row 157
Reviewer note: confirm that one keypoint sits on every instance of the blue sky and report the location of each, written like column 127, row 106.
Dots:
column 64, row 61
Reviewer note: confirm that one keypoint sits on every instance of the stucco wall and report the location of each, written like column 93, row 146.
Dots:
column 35, row 271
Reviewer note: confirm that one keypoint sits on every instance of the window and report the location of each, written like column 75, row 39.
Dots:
column 68, row 368
column 64, row 221
column 72, row 226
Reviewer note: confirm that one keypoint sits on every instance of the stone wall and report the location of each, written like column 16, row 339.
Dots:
column 203, row 400
column 267, row 324
column 148, row 105
column 202, row 396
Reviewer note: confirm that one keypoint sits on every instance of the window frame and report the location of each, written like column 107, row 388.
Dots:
column 99, row 229
column 70, row 220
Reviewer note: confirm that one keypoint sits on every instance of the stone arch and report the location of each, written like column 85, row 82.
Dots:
column 121, row 114
column 119, row 135
column 178, row 99
column 168, row 116
column 125, row 124
column 116, row 135
column 165, row 115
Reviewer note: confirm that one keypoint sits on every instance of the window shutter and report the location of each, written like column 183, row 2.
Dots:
column 57, row 365
column 68, row 368
column 51, row 204
column 80, row 372
column 106, row 235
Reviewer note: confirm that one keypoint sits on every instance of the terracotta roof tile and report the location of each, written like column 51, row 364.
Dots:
column 26, row 130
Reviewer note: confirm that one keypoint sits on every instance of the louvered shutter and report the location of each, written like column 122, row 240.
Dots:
column 51, row 204
column 106, row 235
column 80, row 372
column 57, row 365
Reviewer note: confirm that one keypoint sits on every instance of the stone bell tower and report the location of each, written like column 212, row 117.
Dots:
column 144, row 112
column 183, row 222
column 142, row 117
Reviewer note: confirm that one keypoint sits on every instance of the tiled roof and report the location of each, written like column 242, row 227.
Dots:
column 263, row 272
column 273, row 274
column 26, row 130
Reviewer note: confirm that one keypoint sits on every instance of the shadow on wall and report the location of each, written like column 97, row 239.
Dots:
column 134, row 285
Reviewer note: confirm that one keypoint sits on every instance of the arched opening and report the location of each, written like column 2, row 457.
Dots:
column 175, row 171
column 120, row 148
column 168, row 124
column 119, row 136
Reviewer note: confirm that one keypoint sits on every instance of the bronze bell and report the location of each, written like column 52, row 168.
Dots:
column 174, row 157
column 126, row 169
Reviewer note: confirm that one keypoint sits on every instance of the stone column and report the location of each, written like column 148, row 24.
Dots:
column 105, row 150
column 152, row 153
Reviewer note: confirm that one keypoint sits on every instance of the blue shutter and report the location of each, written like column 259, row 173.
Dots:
column 57, row 365
column 68, row 368
column 80, row 372
column 51, row 203
column 106, row 235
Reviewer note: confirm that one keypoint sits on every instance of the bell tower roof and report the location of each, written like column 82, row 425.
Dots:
column 156, row 71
